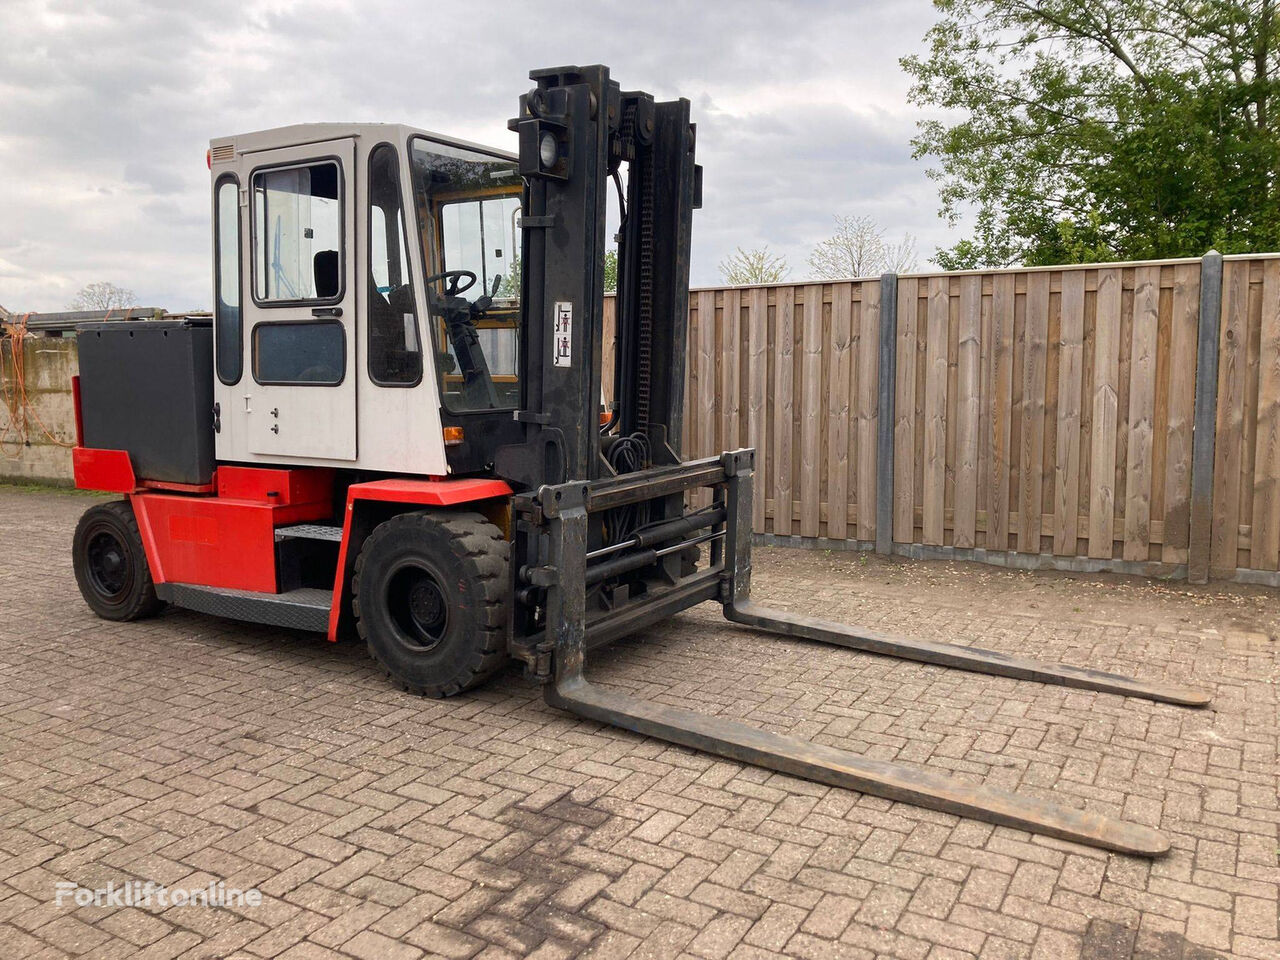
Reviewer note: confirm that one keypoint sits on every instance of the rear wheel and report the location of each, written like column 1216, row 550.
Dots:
column 111, row 564
column 430, row 599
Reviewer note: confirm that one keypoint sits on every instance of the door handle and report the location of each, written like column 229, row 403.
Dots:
column 332, row 313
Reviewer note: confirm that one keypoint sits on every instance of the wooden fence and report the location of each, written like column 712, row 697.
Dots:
column 1122, row 416
column 1037, row 417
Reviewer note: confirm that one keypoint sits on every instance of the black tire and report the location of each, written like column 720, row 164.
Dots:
column 430, row 596
column 111, row 564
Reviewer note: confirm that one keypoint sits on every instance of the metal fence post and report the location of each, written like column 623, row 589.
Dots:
column 884, row 429
column 1202, row 440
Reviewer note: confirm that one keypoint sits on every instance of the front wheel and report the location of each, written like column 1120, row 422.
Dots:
column 111, row 565
column 430, row 596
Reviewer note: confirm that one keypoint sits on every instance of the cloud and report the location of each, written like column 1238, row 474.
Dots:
column 106, row 110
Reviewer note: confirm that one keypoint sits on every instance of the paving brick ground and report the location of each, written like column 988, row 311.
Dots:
column 186, row 750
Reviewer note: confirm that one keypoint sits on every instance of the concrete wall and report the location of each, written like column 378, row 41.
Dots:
column 36, row 434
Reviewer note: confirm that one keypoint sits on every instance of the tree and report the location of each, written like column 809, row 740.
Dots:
column 102, row 296
column 858, row 249
column 1104, row 129
column 753, row 266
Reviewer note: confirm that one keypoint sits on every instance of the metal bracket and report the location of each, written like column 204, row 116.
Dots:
column 529, row 416
column 541, row 576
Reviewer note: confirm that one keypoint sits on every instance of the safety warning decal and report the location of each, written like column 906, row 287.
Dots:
column 562, row 338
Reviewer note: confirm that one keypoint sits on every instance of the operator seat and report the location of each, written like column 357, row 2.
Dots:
column 391, row 335
column 324, row 266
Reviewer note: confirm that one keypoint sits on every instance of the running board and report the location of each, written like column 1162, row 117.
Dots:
column 306, row 608
column 840, row 768
column 974, row 659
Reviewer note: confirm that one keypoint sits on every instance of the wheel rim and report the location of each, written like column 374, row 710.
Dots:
column 418, row 606
column 108, row 565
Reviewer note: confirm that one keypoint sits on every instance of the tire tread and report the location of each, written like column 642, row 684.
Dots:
column 485, row 555
column 145, row 602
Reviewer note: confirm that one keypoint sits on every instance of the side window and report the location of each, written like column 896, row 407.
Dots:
column 299, row 353
column 395, row 351
column 297, row 234
column 226, row 309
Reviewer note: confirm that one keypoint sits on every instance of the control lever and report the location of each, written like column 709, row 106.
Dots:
column 484, row 303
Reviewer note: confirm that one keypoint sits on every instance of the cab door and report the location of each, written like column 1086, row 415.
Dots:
column 299, row 317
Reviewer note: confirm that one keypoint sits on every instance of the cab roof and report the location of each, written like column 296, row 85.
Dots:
column 226, row 149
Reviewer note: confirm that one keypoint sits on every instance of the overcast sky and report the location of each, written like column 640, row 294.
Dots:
column 106, row 109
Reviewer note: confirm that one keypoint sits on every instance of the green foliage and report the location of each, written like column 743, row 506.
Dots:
column 1104, row 129
column 611, row 271
column 511, row 282
column 753, row 266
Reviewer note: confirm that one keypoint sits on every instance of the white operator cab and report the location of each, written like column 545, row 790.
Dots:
column 327, row 349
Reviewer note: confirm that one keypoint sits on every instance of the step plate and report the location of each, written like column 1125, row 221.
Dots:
column 309, row 531
column 303, row 609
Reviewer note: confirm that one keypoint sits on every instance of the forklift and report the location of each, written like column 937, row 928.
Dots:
column 392, row 427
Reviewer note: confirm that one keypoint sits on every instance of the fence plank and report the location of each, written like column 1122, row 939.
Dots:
column 952, row 395
column 1106, row 373
column 1070, row 371
column 985, row 381
column 839, row 365
column 707, row 386
column 690, row 447
column 1180, row 401
column 1142, row 390
column 1002, row 297
column 868, row 387
column 968, row 409
column 609, row 349
column 1233, row 347
column 935, row 411
column 730, row 388
column 1249, row 447
column 810, row 415
column 1265, row 541
column 921, row 370
column 783, row 411
column 904, row 446
column 1034, row 358
column 757, row 381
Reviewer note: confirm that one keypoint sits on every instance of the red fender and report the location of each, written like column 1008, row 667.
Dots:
column 356, row 524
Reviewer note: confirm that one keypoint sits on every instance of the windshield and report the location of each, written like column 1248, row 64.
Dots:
column 468, row 211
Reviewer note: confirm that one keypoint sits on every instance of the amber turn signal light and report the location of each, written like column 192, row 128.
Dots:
column 452, row 436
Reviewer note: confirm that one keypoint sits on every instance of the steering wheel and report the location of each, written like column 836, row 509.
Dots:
column 459, row 281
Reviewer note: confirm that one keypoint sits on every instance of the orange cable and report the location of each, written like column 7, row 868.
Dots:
column 16, row 400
